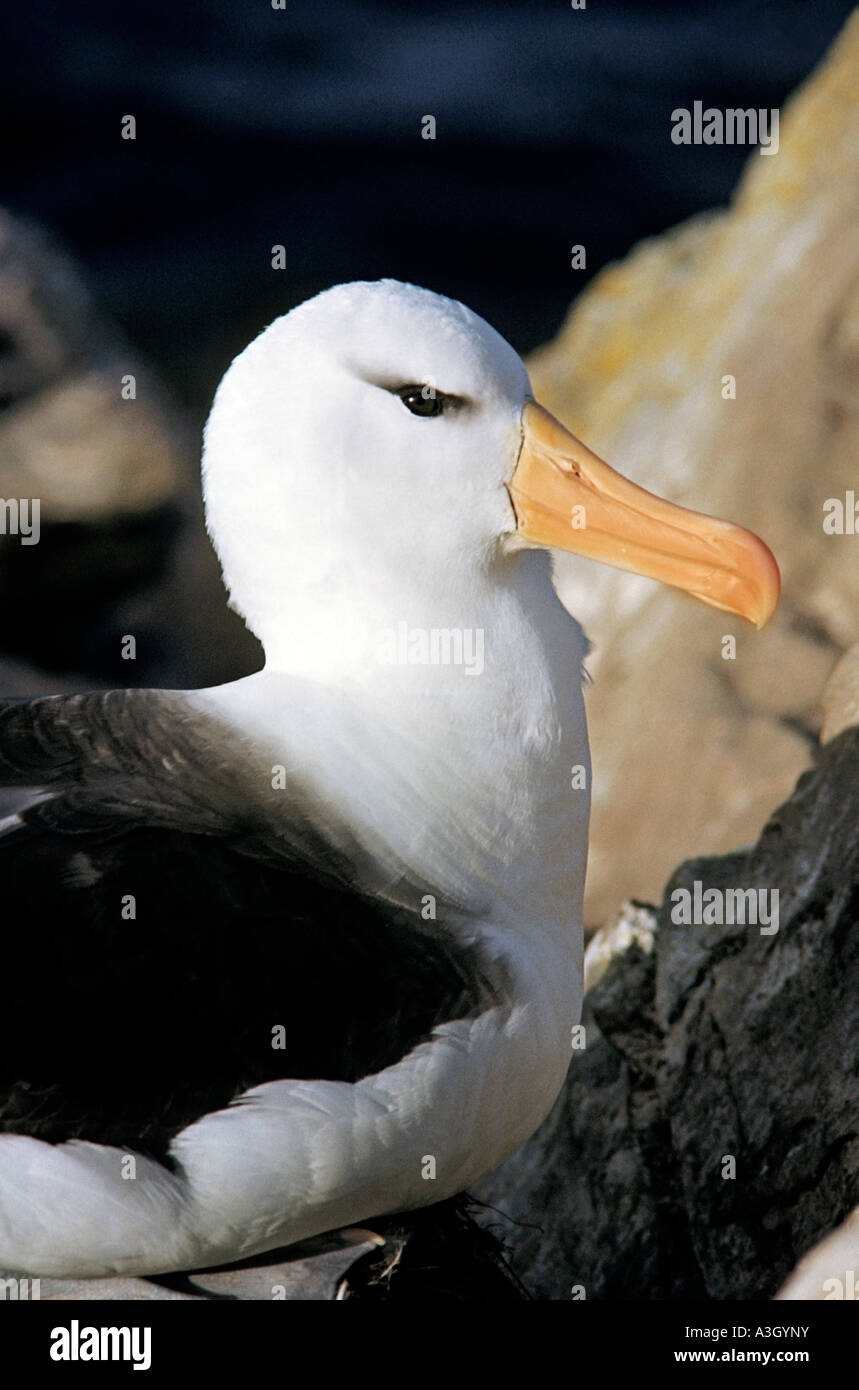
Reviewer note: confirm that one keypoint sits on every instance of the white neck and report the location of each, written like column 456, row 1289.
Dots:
column 458, row 778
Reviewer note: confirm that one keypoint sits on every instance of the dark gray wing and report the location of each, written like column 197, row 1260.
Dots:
column 164, row 951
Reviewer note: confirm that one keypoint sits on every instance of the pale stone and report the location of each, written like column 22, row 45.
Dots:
column 67, row 436
column 634, row 925
column 841, row 697
column 692, row 751
column 86, row 453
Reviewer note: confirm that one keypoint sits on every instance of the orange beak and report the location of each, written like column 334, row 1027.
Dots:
column 567, row 498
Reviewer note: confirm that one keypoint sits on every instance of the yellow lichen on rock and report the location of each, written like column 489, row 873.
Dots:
column 692, row 750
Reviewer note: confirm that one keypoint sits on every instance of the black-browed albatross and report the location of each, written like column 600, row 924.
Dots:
column 305, row 949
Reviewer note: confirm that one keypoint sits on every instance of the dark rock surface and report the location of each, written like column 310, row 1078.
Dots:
column 722, row 1041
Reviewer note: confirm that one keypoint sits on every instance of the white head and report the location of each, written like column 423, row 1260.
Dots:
column 336, row 484
column 340, row 492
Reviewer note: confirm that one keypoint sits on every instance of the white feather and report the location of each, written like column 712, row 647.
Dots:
column 337, row 515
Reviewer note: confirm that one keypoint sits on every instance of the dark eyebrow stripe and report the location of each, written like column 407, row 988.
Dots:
column 403, row 388
column 395, row 385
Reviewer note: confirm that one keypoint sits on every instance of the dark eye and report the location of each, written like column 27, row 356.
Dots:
column 422, row 400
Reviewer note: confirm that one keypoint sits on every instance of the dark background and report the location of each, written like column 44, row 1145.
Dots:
column 302, row 126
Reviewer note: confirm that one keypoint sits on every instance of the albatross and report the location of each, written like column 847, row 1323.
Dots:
column 305, row 949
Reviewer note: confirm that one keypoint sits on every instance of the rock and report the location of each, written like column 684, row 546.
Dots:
column 768, row 293
column 708, row 1135
column 634, row 925
column 67, row 436
column 86, row 453
column 841, row 697
column 121, row 548
column 106, row 472
column 830, row 1270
